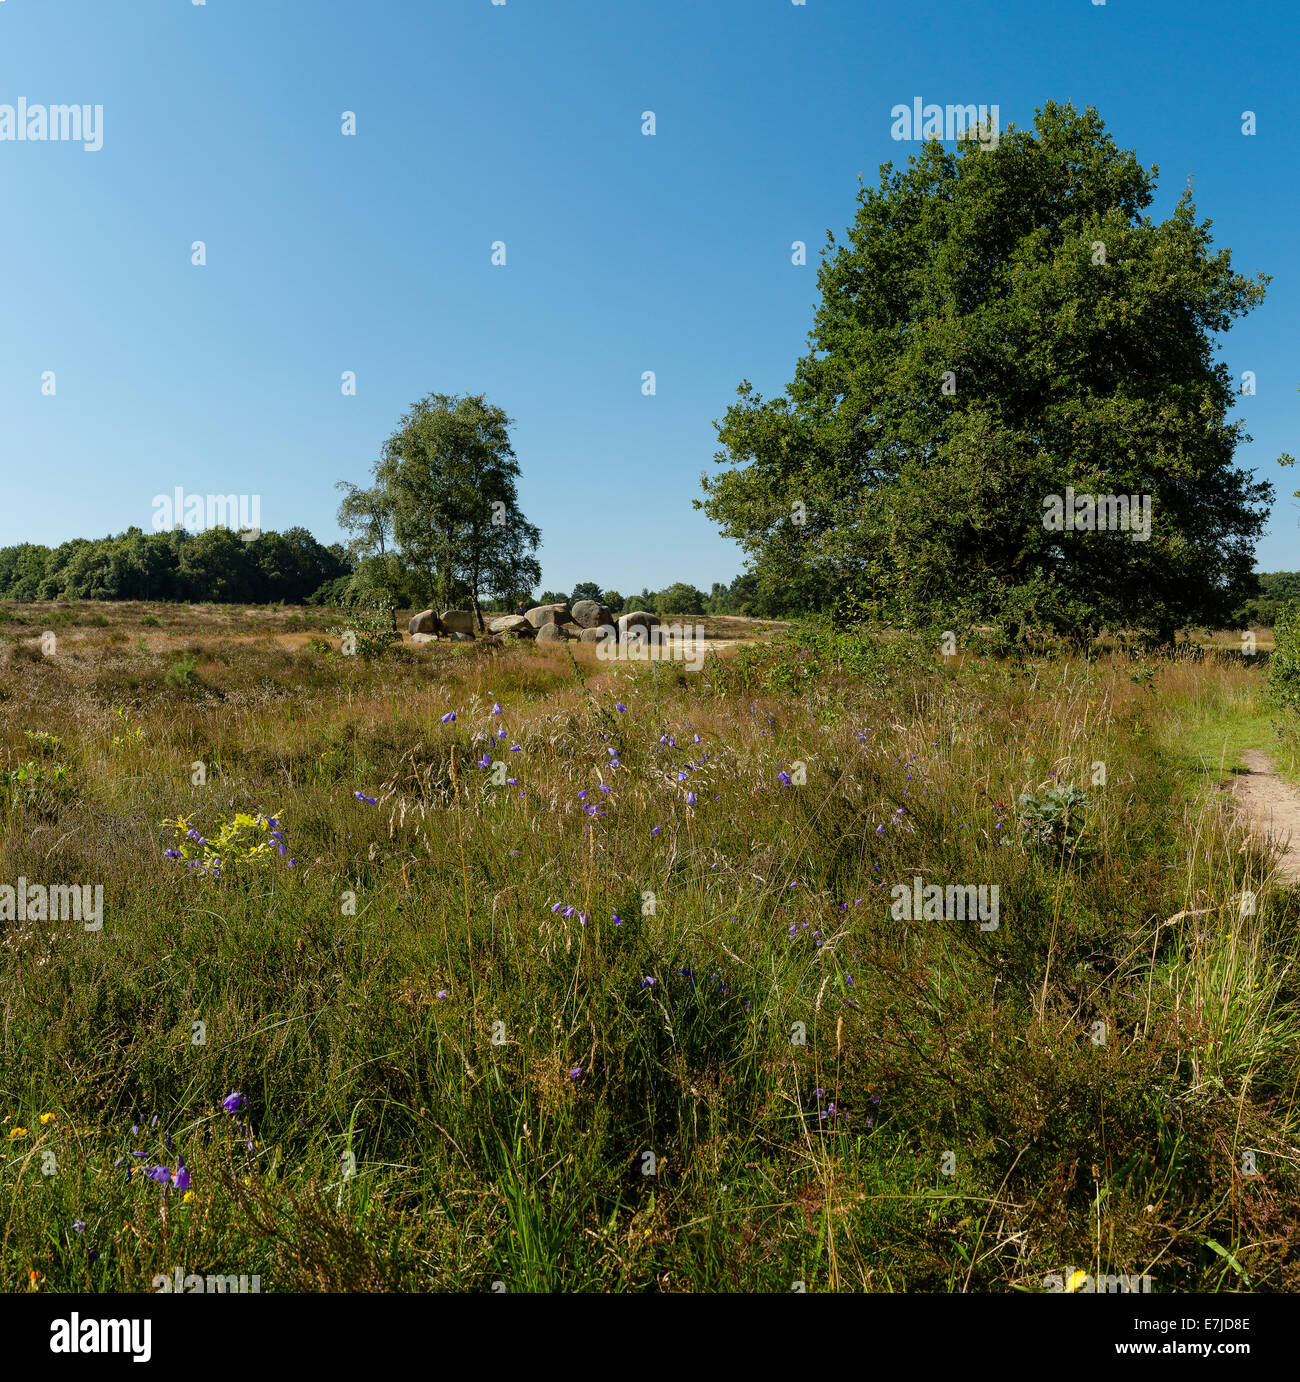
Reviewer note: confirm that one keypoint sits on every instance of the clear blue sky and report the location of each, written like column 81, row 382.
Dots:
column 522, row 122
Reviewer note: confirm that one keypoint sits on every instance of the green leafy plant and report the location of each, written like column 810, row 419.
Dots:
column 243, row 841
column 1284, row 665
column 42, row 740
column 34, row 784
column 371, row 628
column 132, row 734
column 1052, row 819
column 181, row 672
column 802, row 655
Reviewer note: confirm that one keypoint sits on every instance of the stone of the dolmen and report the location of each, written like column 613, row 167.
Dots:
column 511, row 623
column 637, row 619
column 549, row 614
column 590, row 614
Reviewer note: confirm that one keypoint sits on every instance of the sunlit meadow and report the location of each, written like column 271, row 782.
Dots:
column 488, row 967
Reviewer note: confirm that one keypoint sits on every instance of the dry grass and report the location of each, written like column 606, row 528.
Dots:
column 400, row 1138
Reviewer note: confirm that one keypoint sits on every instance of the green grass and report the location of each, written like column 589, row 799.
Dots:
column 403, row 1008
column 1211, row 730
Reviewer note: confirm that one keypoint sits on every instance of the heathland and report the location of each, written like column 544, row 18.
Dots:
column 365, row 1010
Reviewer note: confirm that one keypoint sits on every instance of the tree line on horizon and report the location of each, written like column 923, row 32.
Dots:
column 291, row 567
column 214, row 565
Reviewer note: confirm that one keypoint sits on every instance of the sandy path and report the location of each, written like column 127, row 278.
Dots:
column 1273, row 808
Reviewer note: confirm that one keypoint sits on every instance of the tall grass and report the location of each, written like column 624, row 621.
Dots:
column 472, row 1016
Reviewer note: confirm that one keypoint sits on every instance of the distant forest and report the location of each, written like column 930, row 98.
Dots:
column 291, row 567
column 216, row 565
column 1276, row 589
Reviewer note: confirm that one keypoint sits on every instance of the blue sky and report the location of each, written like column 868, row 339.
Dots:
column 522, row 123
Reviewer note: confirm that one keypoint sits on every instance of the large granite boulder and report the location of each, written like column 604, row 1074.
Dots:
column 458, row 621
column 549, row 614
column 552, row 633
column 590, row 614
column 637, row 619
column 511, row 623
column 424, row 622
column 600, row 634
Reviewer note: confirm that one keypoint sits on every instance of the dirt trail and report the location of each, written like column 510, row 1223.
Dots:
column 1273, row 807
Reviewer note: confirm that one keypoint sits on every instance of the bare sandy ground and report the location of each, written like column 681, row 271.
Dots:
column 1272, row 806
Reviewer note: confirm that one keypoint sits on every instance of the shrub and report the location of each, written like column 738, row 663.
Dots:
column 372, row 628
column 131, row 734
column 181, row 672
column 335, row 594
column 1052, row 819
column 33, row 783
column 1284, row 665
column 810, row 650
